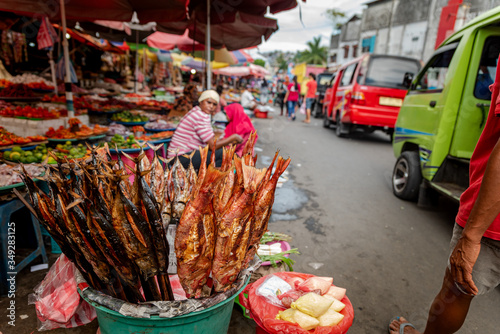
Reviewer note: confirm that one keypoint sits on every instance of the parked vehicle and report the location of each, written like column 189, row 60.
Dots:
column 323, row 81
column 368, row 92
column 445, row 111
column 327, row 100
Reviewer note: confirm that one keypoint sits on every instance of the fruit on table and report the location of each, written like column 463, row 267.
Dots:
column 29, row 112
column 124, row 143
column 17, row 90
column 40, row 85
column 8, row 138
column 76, row 130
column 37, row 155
column 128, row 117
column 41, row 153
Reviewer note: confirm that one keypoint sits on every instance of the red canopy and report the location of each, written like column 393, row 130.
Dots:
column 234, row 24
column 164, row 41
column 113, row 10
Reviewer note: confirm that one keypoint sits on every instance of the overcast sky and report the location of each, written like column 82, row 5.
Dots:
column 292, row 35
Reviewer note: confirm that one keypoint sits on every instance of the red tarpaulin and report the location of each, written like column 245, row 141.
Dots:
column 235, row 25
column 113, row 10
column 242, row 71
column 91, row 41
column 164, row 41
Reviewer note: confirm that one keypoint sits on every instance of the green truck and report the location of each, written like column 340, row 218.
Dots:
column 444, row 113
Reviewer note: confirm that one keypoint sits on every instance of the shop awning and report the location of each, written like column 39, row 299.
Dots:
column 164, row 41
column 242, row 71
column 199, row 63
column 100, row 44
column 113, row 10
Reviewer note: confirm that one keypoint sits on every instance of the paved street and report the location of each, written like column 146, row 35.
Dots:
column 338, row 206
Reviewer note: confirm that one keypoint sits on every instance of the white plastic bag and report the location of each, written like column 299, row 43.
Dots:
column 303, row 108
column 271, row 288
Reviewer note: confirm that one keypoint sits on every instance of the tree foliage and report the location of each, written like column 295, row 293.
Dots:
column 315, row 54
column 260, row 62
column 281, row 62
column 337, row 17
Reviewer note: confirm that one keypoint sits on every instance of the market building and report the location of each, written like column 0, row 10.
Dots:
column 402, row 27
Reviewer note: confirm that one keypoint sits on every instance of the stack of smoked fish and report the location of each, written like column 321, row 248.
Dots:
column 114, row 230
column 224, row 220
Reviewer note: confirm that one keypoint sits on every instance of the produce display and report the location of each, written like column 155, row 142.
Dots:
column 114, row 230
column 161, row 135
column 160, row 125
column 17, row 154
column 33, row 81
column 10, row 175
column 74, row 88
column 54, row 98
column 129, row 117
column 4, row 83
column 40, row 85
column 119, row 129
column 30, row 112
column 78, row 102
column 8, row 138
column 270, row 250
column 76, row 130
column 42, row 153
column 137, row 128
column 17, row 90
column 68, row 151
column 124, row 143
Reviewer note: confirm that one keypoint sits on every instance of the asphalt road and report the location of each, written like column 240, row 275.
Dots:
column 338, row 206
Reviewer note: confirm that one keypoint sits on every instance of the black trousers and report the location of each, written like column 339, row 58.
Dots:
column 197, row 159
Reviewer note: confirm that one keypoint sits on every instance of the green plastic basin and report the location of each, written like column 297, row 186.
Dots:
column 213, row 320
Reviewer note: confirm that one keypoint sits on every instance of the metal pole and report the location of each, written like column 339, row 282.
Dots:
column 53, row 69
column 207, row 48
column 136, row 72
column 67, row 77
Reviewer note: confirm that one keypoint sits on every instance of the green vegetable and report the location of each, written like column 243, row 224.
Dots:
column 280, row 257
column 272, row 236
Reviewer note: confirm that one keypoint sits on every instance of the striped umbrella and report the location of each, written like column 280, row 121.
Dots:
column 241, row 57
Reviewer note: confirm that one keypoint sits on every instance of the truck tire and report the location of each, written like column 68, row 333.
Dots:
column 406, row 176
column 326, row 121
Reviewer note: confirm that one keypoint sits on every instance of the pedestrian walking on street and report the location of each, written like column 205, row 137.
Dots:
column 474, row 264
column 310, row 96
column 292, row 97
column 281, row 90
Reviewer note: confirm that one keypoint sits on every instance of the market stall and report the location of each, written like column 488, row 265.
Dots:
column 147, row 242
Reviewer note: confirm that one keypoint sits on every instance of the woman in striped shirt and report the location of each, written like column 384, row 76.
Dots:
column 195, row 131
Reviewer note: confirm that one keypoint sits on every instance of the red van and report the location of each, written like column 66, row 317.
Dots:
column 368, row 92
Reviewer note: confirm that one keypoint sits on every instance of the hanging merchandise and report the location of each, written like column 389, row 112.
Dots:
column 6, row 49
column 47, row 35
column 160, row 71
column 20, row 46
column 61, row 70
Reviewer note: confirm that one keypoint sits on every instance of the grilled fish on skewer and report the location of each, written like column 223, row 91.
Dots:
column 262, row 208
column 234, row 232
column 195, row 237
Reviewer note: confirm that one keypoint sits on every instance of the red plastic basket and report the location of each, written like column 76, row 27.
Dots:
column 260, row 114
column 264, row 313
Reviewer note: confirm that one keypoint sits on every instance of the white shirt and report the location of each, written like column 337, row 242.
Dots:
column 246, row 99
